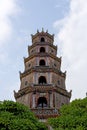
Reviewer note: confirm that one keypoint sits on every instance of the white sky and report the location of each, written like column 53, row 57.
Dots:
column 67, row 19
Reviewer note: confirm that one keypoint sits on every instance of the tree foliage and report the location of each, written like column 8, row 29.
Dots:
column 72, row 116
column 16, row 116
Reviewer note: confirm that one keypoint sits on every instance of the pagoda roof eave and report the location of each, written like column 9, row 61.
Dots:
column 41, row 34
column 42, row 89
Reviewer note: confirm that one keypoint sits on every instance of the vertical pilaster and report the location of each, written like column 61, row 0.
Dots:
column 33, row 101
column 51, row 100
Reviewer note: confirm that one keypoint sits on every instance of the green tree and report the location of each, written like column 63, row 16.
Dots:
column 16, row 116
column 72, row 116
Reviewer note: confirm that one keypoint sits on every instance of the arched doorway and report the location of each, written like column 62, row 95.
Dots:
column 42, row 102
column 42, row 39
column 42, row 49
column 42, row 80
column 42, row 63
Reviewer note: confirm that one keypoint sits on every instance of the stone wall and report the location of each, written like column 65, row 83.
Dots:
column 60, row 100
column 25, row 99
column 25, row 81
column 58, row 80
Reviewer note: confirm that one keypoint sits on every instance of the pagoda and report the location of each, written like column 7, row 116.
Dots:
column 42, row 86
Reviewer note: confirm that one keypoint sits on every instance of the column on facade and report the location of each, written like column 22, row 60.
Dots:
column 51, row 99
column 48, row 78
column 33, row 101
column 35, row 75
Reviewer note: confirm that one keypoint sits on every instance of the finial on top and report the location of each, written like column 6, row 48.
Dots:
column 65, row 72
column 37, row 31
column 47, row 31
column 42, row 29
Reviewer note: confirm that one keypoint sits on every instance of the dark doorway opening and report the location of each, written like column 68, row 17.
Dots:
column 42, row 49
column 42, row 39
column 42, row 102
column 42, row 80
column 42, row 62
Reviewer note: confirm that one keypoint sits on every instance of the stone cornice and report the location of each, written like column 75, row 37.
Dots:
column 43, row 69
column 42, row 44
column 42, row 55
column 41, row 89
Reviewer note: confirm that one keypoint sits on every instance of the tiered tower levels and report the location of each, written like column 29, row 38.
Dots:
column 42, row 86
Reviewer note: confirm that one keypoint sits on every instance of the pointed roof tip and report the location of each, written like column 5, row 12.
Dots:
column 31, row 35
column 65, row 72
column 42, row 32
column 42, row 29
column 37, row 31
column 47, row 31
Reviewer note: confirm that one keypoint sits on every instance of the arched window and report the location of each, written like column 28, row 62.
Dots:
column 42, row 80
column 42, row 49
column 42, row 62
column 42, row 102
column 42, row 39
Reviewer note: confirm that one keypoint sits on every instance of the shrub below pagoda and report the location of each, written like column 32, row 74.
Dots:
column 15, row 116
column 73, row 116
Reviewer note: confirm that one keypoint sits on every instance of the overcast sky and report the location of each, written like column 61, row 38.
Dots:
column 67, row 19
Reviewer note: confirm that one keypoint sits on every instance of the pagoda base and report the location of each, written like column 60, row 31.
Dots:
column 44, row 113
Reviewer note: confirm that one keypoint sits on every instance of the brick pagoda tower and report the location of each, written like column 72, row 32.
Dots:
column 42, row 86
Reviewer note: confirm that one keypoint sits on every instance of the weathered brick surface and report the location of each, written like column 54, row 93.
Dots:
column 49, row 77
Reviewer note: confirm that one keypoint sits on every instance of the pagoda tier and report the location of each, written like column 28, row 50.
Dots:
column 42, row 86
